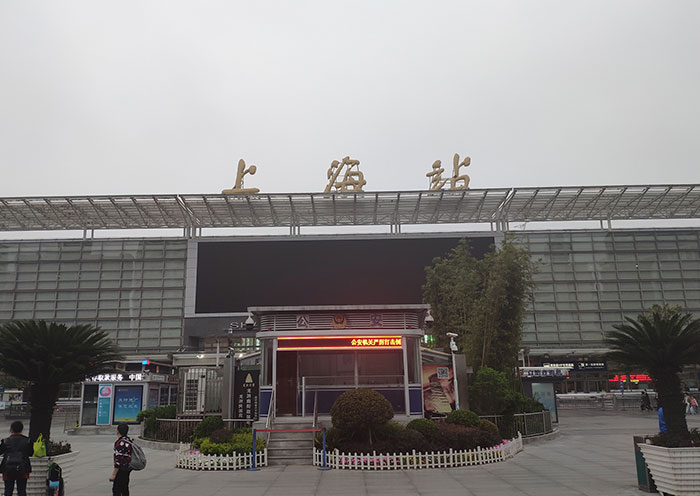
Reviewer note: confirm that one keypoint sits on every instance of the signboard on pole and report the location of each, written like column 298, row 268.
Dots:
column 104, row 403
column 247, row 393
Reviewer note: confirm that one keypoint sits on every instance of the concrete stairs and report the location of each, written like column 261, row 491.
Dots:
column 291, row 448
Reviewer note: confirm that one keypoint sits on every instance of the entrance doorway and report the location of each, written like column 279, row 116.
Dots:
column 286, row 383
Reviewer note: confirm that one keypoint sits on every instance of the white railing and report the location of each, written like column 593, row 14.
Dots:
column 402, row 461
column 194, row 460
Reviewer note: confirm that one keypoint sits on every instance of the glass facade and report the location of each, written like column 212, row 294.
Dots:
column 134, row 289
column 590, row 280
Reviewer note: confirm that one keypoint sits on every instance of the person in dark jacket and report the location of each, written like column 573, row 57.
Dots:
column 16, row 467
column 122, row 458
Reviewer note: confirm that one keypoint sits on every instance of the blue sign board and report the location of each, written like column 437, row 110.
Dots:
column 127, row 403
column 104, row 403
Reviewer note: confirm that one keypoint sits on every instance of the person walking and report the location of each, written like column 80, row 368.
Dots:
column 693, row 404
column 646, row 401
column 122, row 458
column 15, row 465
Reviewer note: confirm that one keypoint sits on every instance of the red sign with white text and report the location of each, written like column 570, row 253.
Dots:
column 289, row 343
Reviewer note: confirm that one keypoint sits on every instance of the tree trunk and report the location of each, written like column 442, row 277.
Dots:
column 42, row 400
column 668, row 389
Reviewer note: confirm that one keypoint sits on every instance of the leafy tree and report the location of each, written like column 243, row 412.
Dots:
column 661, row 342
column 482, row 300
column 48, row 355
column 490, row 392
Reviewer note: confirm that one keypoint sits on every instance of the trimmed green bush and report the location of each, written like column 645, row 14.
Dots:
column 149, row 418
column 240, row 442
column 425, row 426
column 488, row 426
column 359, row 412
column 465, row 418
column 460, row 438
column 221, row 436
column 207, row 426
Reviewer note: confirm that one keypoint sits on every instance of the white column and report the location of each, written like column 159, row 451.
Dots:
column 274, row 374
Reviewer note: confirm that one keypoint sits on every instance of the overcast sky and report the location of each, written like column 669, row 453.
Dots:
column 165, row 96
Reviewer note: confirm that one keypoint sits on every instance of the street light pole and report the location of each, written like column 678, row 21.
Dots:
column 453, row 349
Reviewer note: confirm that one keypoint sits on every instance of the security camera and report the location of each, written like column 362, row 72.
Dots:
column 453, row 346
column 452, row 335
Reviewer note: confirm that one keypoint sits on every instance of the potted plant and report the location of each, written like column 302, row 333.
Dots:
column 661, row 342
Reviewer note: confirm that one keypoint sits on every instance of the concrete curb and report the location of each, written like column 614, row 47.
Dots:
column 543, row 438
column 158, row 445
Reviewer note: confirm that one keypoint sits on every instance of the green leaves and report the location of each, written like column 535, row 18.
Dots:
column 661, row 340
column 482, row 300
column 50, row 353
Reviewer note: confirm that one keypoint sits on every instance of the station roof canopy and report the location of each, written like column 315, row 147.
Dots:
column 473, row 206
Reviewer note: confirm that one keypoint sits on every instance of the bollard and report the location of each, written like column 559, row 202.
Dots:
column 253, row 468
column 325, row 464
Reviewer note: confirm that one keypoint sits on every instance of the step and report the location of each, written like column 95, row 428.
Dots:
column 291, row 443
column 283, row 452
column 293, row 460
column 291, row 435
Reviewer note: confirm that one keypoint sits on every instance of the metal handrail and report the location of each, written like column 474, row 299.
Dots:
column 270, row 415
column 315, row 423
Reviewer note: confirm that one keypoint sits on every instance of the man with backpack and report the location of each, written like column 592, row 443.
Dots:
column 123, row 448
column 15, row 465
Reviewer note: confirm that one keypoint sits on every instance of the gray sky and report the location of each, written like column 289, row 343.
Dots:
column 166, row 96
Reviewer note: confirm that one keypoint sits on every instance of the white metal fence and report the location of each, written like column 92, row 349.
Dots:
column 528, row 424
column 414, row 460
column 194, row 460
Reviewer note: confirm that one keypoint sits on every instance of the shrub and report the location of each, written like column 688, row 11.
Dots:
column 207, row 426
column 54, row 448
column 459, row 437
column 241, row 443
column 360, row 412
column 488, row 426
column 221, row 436
column 332, row 439
column 669, row 440
column 425, row 426
column 466, row 418
column 407, row 440
column 149, row 418
column 490, row 392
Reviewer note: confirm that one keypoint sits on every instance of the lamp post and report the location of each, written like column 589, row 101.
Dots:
column 453, row 349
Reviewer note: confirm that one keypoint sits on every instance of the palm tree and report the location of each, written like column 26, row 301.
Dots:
column 48, row 355
column 661, row 342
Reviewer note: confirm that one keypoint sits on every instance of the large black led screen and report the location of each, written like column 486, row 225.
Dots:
column 231, row 276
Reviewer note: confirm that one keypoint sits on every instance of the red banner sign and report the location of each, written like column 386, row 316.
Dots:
column 290, row 343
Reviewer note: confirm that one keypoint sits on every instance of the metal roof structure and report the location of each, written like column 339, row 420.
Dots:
column 498, row 207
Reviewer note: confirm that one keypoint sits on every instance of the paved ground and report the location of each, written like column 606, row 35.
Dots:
column 592, row 456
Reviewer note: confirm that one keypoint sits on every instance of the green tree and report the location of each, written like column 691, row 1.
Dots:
column 47, row 355
column 661, row 342
column 482, row 300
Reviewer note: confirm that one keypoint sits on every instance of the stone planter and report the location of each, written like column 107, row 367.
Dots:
column 36, row 485
column 675, row 470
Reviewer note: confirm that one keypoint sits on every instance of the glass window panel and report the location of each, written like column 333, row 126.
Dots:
column 172, row 312
column 24, row 314
column 107, row 313
column 539, row 306
column 672, row 285
column 609, row 305
column 567, row 305
column 545, row 317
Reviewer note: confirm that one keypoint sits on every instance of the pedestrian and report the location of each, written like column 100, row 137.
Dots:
column 15, row 465
column 693, row 404
column 686, row 400
column 646, row 401
column 662, row 421
column 122, row 458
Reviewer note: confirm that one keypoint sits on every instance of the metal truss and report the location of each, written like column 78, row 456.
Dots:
column 499, row 207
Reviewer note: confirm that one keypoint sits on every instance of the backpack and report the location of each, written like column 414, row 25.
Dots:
column 54, row 480
column 14, row 462
column 138, row 458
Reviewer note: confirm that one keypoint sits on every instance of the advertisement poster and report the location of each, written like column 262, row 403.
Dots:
column 104, row 403
column 544, row 393
column 438, row 389
column 127, row 403
column 246, row 394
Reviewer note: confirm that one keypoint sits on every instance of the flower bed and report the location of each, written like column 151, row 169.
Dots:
column 446, row 459
column 192, row 459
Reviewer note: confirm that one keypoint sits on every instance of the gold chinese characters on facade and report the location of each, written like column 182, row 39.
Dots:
column 456, row 181
column 352, row 181
column 238, row 188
